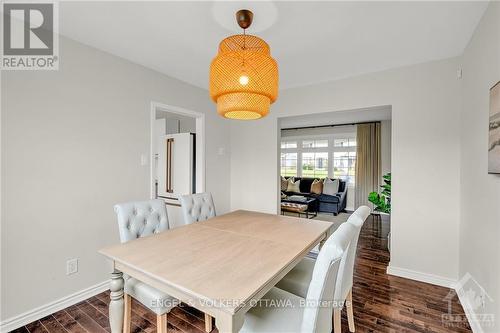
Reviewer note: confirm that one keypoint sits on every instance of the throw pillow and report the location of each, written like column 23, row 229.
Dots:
column 317, row 186
column 293, row 186
column 330, row 186
column 284, row 183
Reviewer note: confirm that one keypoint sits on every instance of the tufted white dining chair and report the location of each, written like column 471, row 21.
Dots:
column 197, row 207
column 135, row 220
column 297, row 280
column 313, row 312
column 344, row 296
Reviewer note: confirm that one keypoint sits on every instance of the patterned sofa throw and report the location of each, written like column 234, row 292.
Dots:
column 284, row 184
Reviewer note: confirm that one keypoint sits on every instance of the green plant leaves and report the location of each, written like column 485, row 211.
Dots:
column 382, row 201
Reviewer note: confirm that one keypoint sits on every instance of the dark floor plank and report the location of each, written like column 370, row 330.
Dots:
column 188, row 317
column 101, row 303
column 52, row 325
column 36, row 327
column 68, row 322
column 184, row 326
column 88, row 323
column 97, row 316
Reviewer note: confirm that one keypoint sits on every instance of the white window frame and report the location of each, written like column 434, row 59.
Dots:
column 330, row 149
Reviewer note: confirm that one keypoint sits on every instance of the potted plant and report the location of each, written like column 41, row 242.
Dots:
column 382, row 200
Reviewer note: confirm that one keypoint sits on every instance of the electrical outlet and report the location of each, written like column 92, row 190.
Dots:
column 71, row 266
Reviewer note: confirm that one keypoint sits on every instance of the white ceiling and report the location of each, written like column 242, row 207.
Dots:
column 312, row 41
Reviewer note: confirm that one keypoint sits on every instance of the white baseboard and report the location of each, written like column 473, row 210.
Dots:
column 422, row 277
column 469, row 312
column 47, row 309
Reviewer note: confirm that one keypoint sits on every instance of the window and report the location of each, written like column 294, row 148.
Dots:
column 346, row 142
column 344, row 165
column 289, row 164
column 315, row 164
column 331, row 156
column 314, row 143
column 288, row 144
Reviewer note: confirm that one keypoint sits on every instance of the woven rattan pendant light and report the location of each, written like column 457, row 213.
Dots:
column 243, row 76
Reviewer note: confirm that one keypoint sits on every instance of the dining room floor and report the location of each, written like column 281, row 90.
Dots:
column 382, row 303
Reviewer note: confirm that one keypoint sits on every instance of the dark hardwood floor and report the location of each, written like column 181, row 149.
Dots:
column 382, row 303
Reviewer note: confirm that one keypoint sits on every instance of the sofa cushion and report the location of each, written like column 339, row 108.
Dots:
column 293, row 186
column 317, row 186
column 329, row 198
column 305, row 184
column 342, row 185
column 330, row 186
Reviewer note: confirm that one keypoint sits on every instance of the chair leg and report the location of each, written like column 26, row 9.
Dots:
column 161, row 323
column 350, row 313
column 337, row 320
column 208, row 323
column 127, row 300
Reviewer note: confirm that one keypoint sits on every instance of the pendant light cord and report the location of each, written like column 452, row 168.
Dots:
column 244, row 38
column 244, row 46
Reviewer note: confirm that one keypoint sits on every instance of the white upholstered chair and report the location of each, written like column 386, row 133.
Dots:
column 297, row 280
column 135, row 220
column 311, row 313
column 197, row 207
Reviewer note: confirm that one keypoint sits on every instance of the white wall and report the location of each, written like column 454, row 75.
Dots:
column 385, row 147
column 66, row 161
column 425, row 155
column 480, row 209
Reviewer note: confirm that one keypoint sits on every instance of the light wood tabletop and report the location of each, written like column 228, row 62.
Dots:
column 218, row 266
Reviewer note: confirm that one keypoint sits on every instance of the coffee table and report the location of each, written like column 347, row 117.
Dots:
column 309, row 207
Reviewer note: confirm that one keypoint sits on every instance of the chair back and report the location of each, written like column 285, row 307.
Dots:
column 363, row 212
column 197, row 207
column 141, row 218
column 320, row 303
column 346, row 270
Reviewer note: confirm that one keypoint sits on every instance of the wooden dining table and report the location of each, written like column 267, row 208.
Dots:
column 220, row 266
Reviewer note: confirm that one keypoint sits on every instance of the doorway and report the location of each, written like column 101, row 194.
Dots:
column 177, row 154
column 316, row 162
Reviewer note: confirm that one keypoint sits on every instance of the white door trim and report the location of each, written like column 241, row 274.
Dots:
column 200, row 142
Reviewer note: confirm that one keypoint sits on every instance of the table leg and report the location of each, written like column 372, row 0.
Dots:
column 116, row 305
column 229, row 324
